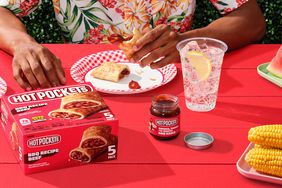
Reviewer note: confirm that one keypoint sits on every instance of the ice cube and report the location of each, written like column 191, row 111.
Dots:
column 214, row 51
column 190, row 46
column 203, row 46
column 193, row 46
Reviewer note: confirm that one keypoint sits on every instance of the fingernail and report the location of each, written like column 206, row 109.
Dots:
column 64, row 80
column 153, row 66
column 28, row 89
column 140, row 64
column 54, row 84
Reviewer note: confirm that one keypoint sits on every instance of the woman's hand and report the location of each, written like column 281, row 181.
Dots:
column 34, row 66
column 159, row 44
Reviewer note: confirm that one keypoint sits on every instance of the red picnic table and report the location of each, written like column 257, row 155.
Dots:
column 245, row 100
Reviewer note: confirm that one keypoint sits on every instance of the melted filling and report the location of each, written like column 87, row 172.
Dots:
column 65, row 115
column 93, row 143
column 76, row 155
column 84, row 158
column 80, row 104
column 124, row 73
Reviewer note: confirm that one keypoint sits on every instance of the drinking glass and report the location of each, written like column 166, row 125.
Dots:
column 201, row 60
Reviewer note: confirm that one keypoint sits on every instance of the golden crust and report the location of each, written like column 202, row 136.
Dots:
column 111, row 71
column 127, row 46
column 86, row 155
column 101, row 133
column 93, row 98
column 14, row 136
column 79, row 106
column 75, row 113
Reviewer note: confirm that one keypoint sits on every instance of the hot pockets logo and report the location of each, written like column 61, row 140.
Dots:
column 43, row 141
column 164, row 122
column 48, row 94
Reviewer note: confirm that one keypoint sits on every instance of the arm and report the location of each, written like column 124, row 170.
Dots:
column 242, row 26
column 34, row 66
column 12, row 31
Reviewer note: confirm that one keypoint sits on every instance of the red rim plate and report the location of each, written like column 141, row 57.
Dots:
column 80, row 69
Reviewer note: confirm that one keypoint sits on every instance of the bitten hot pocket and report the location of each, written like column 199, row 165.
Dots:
column 127, row 46
column 111, row 71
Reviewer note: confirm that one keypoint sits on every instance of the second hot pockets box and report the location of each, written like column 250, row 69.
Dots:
column 59, row 127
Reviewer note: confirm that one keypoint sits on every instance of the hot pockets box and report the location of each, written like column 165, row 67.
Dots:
column 59, row 127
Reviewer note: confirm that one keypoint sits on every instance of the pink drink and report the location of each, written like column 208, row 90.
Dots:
column 201, row 94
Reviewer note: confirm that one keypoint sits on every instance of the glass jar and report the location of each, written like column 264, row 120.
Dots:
column 164, row 117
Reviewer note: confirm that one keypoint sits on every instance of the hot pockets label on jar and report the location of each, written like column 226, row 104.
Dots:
column 164, row 127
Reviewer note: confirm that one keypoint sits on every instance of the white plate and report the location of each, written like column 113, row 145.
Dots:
column 249, row 172
column 3, row 87
column 147, row 78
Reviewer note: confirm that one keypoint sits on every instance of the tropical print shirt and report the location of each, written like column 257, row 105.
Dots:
column 96, row 21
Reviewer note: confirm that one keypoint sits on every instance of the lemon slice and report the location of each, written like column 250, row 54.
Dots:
column 201, row 63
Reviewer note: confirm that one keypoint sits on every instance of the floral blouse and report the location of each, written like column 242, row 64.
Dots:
column 96, row 21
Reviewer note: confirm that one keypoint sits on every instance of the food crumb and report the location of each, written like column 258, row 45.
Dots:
column 139, row 72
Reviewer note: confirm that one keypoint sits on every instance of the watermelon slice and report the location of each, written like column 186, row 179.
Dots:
column 275, row 66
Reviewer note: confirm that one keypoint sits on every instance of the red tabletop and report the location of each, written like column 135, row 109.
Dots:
column 245, row 100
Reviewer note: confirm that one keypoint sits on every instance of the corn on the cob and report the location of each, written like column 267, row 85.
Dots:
column 267, row 135
column 265, row 147
column 268, row 161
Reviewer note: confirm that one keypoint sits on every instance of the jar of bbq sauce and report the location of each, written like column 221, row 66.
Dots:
column 164, row 121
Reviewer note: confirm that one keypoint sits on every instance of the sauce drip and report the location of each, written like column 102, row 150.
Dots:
column 134, row 85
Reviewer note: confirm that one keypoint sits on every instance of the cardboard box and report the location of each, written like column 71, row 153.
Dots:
column 59, row 127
